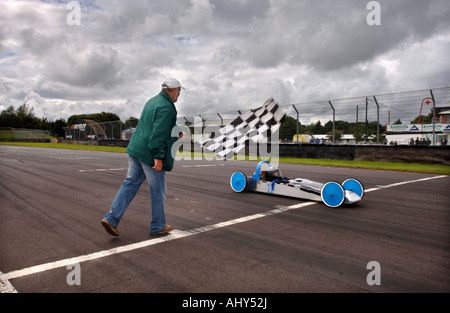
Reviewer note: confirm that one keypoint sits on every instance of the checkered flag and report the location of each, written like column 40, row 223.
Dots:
column 253, row 125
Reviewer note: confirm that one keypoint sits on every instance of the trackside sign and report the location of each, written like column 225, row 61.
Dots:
column 411, row 128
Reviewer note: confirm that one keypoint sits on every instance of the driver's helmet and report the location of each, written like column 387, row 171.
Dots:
column 272, row 173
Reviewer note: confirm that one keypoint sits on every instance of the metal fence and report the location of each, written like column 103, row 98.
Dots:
column 385, row 109
column 90, row 130
column 7, row 133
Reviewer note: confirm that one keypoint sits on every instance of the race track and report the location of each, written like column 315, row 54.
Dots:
column 52, row 202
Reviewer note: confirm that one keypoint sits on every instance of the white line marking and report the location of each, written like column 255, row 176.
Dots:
column 206, row 165
column 175, row 234
column 103, row 170
column 404, row 183
column 6, row 286
column 75, row 158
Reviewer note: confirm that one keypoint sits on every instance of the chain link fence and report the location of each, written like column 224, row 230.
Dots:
column 91, row 130
column 7, row 133
column 381, row 110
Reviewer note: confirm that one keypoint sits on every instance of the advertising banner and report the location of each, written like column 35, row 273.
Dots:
column 414, row 128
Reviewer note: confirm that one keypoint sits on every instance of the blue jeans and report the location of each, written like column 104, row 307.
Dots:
column 137, row 173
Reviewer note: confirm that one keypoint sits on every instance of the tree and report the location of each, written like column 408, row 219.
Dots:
column 358, row 131
column 424, row 119
column 342, row 126
column 131, row 122
column 97, row 117
column 8, row 117
column 23, row 117
column 289, row 128
column 57, row 129
column 337, row 135
column 317, row 128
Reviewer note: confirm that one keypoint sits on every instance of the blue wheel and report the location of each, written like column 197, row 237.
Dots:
column 354, row 185
column 238, row 181
column 332, row 194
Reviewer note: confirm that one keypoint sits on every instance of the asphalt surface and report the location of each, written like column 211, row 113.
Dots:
column 52, row 202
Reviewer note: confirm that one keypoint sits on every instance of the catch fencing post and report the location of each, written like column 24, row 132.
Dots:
column 433, row 116
column 334, row 113
column 356, row 126
column 297, row 120
column 366, row 132
column 378, row 120
column 221, row 120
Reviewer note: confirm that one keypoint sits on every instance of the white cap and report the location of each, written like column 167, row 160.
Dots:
column 172, row 83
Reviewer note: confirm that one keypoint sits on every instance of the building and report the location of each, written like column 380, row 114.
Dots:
column 85, row 130
column 127, row 133
column 443, row 113
column 403, row 133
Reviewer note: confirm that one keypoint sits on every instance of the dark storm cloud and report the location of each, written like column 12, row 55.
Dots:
column 230, row 54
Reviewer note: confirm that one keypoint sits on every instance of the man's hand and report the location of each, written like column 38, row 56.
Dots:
column 158, row 165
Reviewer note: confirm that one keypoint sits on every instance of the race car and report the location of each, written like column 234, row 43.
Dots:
column 270, row 181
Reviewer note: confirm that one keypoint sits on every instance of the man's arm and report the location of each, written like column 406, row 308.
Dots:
column 160, row 137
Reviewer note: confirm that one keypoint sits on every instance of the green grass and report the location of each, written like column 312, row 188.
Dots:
column 387, row 166
column 23, row 134
column 65, row 146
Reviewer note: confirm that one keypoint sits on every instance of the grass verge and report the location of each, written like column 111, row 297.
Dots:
column 65, row 146
column 387, row 166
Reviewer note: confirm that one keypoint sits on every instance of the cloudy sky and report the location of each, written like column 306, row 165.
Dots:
column 230, row 54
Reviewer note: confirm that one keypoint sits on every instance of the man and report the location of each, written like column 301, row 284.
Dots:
column 149, row 158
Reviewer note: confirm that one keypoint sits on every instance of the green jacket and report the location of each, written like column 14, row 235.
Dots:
column 152, row 138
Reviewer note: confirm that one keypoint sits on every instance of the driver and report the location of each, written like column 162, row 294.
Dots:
column 271, row 174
